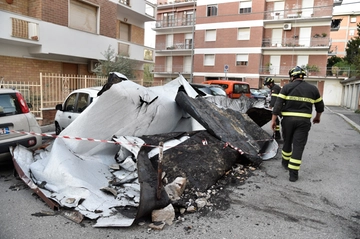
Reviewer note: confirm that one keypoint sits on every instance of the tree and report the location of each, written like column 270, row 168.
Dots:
column 115, row 63
column 352, row 49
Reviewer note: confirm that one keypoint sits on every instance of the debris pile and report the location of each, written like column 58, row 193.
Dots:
column 170, row 151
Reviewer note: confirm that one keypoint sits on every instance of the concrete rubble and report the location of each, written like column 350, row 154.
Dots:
column 131, row 176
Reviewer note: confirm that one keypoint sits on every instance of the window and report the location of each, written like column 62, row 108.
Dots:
column 243, row 34
column 242, row 60
column 210, row 35
column 188, row 18
column 211, row 10
column 124, row 31
column 351, row 32
column 353, row 19
column 209, row 60
column 169, row 19
column 148, row 55
column 83, row 16
column 245, row 7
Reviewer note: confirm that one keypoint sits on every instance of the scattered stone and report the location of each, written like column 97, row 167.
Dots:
column 191, row 209
column 176, row 188
column 201, row 202
column 165, row 215
column 157, row 225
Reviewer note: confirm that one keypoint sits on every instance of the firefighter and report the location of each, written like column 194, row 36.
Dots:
column 295, row 103
column 275, row 90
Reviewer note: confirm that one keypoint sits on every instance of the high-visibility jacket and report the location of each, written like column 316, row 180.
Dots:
column 297, row 98
column 275, row 90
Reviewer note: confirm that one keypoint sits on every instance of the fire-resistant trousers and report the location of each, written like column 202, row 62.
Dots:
column 295, row 132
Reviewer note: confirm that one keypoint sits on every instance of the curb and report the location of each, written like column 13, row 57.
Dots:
column 352, row 123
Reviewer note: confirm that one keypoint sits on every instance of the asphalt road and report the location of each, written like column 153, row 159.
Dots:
column 323, row 203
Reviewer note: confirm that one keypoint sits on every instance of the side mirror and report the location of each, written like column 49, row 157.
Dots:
column 58, row 107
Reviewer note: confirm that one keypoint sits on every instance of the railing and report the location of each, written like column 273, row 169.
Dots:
column 177, row 22
column 296, row 42
column 311, row 72
column 299, row 13
column 174, row 46
column 52, row 89
column 174, row 69
column 24, row 29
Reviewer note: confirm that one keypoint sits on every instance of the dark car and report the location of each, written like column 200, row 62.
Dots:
column 206, row 89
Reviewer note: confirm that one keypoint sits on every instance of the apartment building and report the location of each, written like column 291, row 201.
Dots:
column 69, row 36
column 346, row 28
column 247, row 41
column 174, row 48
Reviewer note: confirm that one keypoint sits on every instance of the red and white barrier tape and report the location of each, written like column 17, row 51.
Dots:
column 204, row 142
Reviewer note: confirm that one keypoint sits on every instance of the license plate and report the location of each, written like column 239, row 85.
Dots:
column 4, row 131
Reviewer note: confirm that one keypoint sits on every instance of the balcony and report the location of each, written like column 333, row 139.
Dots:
column 313, row 72
column 175, row 69
column 175, row 25
column 319, row 42
column 296, row 14
column 332, row 51
column 178, row 48
column 143, row 10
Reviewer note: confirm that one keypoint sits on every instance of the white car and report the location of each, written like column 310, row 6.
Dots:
column 75, row 103
column 15, row 116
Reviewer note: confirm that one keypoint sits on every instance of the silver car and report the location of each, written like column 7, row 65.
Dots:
column 75, row 103
column 15, row 117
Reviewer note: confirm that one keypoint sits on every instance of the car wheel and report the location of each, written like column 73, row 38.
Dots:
column 57, row 128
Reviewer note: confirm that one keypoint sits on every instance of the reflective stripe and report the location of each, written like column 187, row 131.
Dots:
column 277, row 128
column 297, row 114
column 297, row 161
column 286, row 156
column 297, row 98
column 293, row 167
column 276, row 95
column 285, row 153
column 282, row 96
column 318, row 100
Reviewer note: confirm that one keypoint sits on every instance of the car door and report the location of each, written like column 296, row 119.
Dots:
column 68, row 114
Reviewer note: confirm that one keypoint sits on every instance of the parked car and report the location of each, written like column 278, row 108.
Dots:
column 234, row 89
column 206, row 89
column 75, row 103
column 15, row 115
column 267, row 93
column 256, row 94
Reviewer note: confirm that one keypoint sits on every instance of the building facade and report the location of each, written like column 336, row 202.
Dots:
column 345, row 30
column 250, row 40
column 175, row 22
column 69, row 36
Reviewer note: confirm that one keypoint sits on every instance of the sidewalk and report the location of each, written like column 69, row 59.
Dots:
column 348, row 115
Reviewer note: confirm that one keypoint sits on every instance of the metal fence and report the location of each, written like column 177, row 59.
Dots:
column 52, row 89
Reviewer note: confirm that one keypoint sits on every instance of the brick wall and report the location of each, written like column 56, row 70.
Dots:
column 20, row 7
column 21, row 69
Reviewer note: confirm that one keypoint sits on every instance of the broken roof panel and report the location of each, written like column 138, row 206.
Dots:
column 79, row 172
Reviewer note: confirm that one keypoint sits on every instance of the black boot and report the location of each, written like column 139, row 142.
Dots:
column 285, row 163
column 294, row 175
